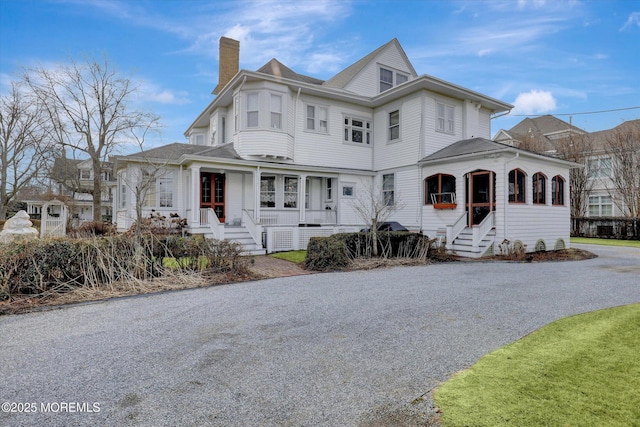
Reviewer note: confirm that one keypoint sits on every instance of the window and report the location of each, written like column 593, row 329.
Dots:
column 165, row 192
column 394, row 125
column 307, row 192
column 440, row 188
column 223, row 131
column 198, row 139
column 387, row 79
column 600, row 206
column 268, row 192
column 517, row 187
column 290, row 192
column 539, row 188
column 599, row 168
column 357, row 131
column 252, row 110
column 85, row 174
column 317, row 118
column 123, row 196
column 276, row 111
column 445, row 121
column 348, row 191
column 159, row 191
column 388, row 189
column 557, row 190
column 329, row 189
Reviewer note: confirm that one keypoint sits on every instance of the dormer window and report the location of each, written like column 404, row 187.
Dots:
column 390, row 78
column 85, row 174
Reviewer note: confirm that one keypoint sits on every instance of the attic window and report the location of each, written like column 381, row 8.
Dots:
column 389, row 79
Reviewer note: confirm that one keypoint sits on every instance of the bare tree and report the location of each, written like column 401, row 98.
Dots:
column 89, row 105
column 25, row 150
column 623, row 146
column 373, row 206
column 577, row 148
column 535, row 142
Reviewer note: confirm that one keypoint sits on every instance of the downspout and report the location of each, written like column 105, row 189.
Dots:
column 506, row 199
column 420, row 168
column 295, row 125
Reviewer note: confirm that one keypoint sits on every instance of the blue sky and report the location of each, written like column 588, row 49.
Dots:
column 545, row 57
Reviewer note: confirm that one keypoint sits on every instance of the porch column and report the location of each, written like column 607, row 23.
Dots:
column 256, row 194
column 194, row 204
column 302, row 190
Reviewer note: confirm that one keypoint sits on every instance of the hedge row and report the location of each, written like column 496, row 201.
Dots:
column 58, row 265
column 335, row 252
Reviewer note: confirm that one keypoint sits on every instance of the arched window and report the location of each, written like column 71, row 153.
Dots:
column 557, row 190
column 517, row 186
column 539, row 188
column 440, row 188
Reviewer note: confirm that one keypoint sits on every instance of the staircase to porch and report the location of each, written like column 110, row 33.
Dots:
column 463, row 244
column 238, row 233
column 472, row 242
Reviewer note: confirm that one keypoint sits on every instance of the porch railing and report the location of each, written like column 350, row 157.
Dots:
column 292, row 217
column 482, row 230
column 254, row 229
column 209, row 219
column 456, row 228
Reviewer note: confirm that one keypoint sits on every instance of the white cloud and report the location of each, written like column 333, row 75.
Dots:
column 534, row 102
column 151, row 92
column 633, row 20
column 484, row 52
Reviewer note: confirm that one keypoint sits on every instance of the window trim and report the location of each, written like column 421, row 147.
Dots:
column 445, row 122
column 539, row 197
column 277, row 113
column 557, row 190
column 388, row 195
column 394, row 78
column 599, row 205
column 88, row 172
column 267, row 178
column 286, row 193
column 394, row 126
column 317, row 120
column 249, row 95
column 352, row 186
column 427, row 195
column 517, row 192
column 365, row 129
column 596, row 173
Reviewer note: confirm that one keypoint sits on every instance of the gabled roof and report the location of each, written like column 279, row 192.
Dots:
column 599, row 138
column 173, row 152
column 278, row 69
column 341, row 79
column 543, row 125
column 481, row 146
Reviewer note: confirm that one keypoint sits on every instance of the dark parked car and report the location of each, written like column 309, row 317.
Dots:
column 387, row 226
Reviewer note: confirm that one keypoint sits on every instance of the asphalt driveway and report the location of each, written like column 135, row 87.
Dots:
column 337, row 349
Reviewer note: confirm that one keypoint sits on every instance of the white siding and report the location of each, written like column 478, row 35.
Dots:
column 405, row 150
column 330, row 149
column 367, row 81
column 235, row 191
column 433, row 139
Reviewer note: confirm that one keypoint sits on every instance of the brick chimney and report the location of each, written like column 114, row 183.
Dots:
column 229, row 62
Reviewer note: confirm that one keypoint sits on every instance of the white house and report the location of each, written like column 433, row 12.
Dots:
column 278, row 157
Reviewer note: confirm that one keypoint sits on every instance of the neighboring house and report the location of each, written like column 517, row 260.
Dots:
column 278, row 157
column 544, row 132
column 74, row 181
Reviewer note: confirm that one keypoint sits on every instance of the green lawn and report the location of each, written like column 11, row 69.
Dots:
column 607, row 242
column 579, row 371
column 293, row 256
